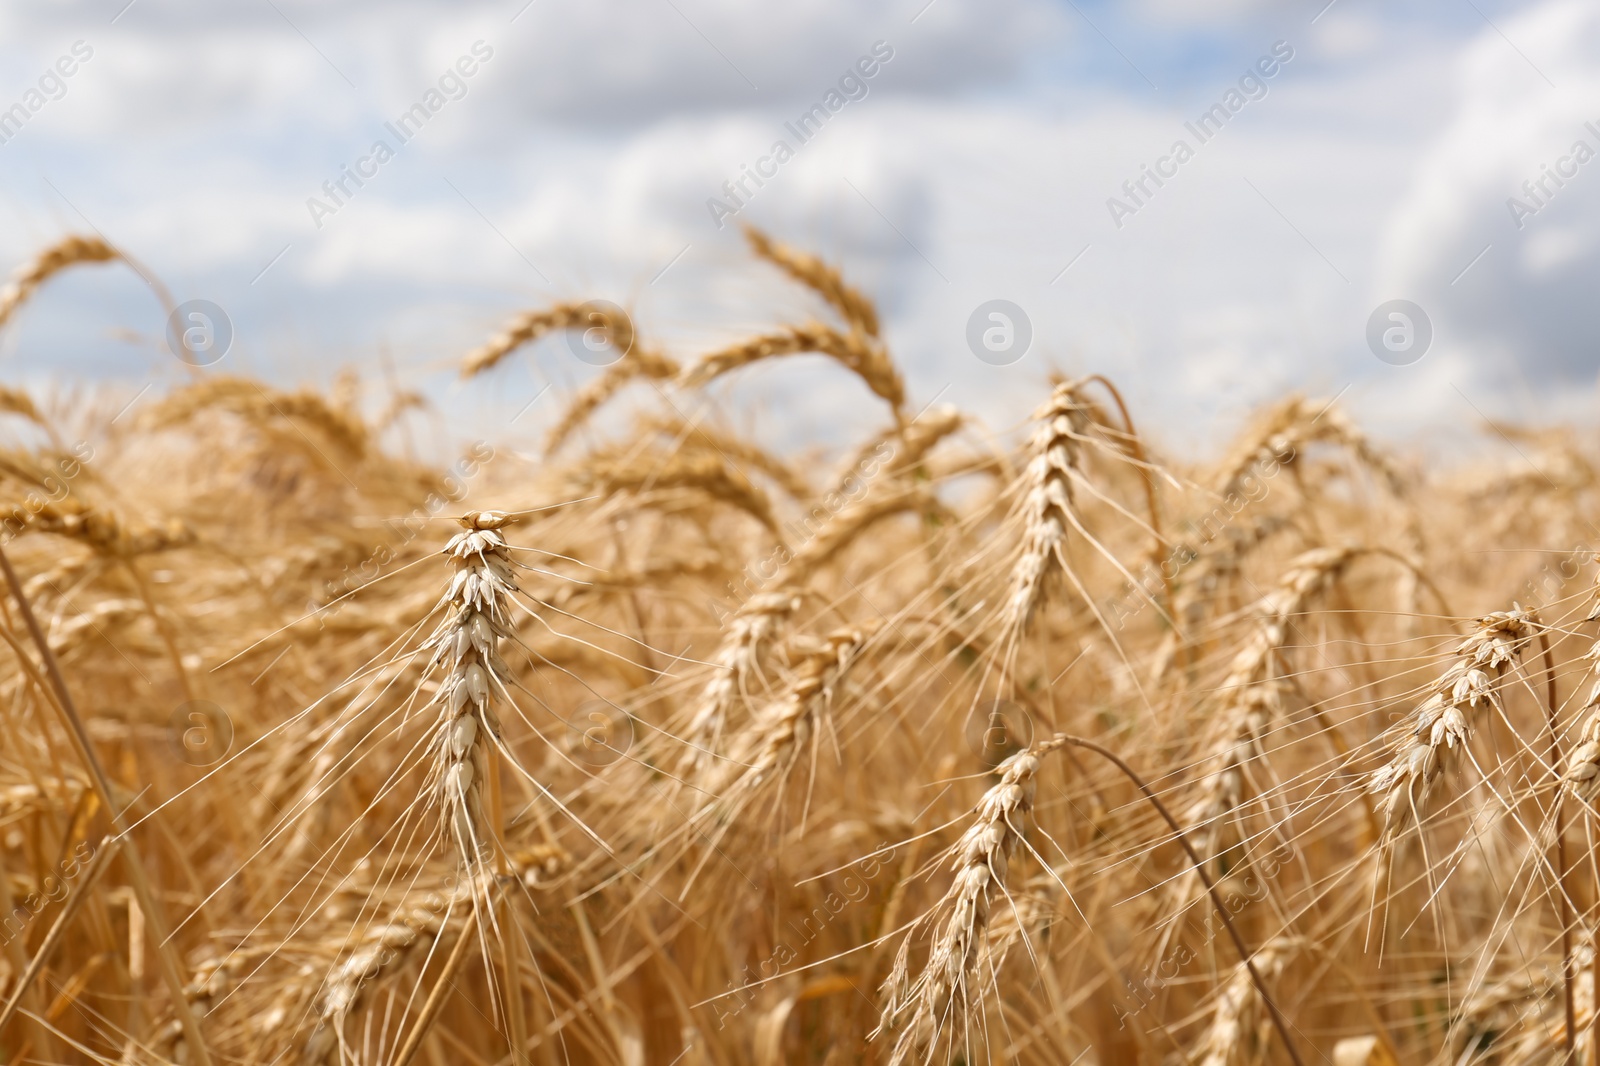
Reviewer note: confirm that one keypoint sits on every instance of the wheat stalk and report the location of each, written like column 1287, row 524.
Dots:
column 1237, row 1033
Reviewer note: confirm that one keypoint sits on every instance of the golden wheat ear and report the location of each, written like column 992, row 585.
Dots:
column 826, row 281
column 1234, row 1034
column 1437, row 734
column 948, row 990
column 639, row 364
column 64, row 254
column 862, row 355
column 53, row 260
column 466, row 646
column 531, row 325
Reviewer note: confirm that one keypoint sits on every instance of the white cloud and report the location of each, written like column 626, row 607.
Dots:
column 589, row 145
column 1526, row 300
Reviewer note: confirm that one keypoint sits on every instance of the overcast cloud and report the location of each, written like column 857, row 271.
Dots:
column 579, row 156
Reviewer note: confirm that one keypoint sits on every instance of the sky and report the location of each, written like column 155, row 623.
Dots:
column 1356, row 154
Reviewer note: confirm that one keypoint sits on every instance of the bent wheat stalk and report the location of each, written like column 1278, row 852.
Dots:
column 1278, row 1021
column 858, row 353
column 53, row 260
column 531, row 325
column 982, row 857
column 824, row 280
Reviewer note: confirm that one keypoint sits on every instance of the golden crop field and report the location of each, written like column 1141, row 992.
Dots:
column 948, row 744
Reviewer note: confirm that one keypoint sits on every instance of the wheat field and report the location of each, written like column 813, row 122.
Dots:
column 949, row 744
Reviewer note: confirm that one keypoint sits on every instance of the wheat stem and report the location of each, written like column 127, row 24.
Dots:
column 170, row 973
column 441, row 988
column 41, row 954
column 1278, row 1020
column 1563, row 887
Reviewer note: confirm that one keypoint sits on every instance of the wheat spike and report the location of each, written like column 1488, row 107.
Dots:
column 826, row 281
column 641, row 362
column 944, row 993
column 735, row 663
column 775, row 736
column 1237, row 1034
column 1047, row 507
column 1441, row 724
column 861, row 355
column 704, row 471
column 466, row 645
column 99, row 529
column 531, row 325
column 737, row 450
column 260, row 404
column 383, row 948
column 54, row 259
column 1251, row 694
